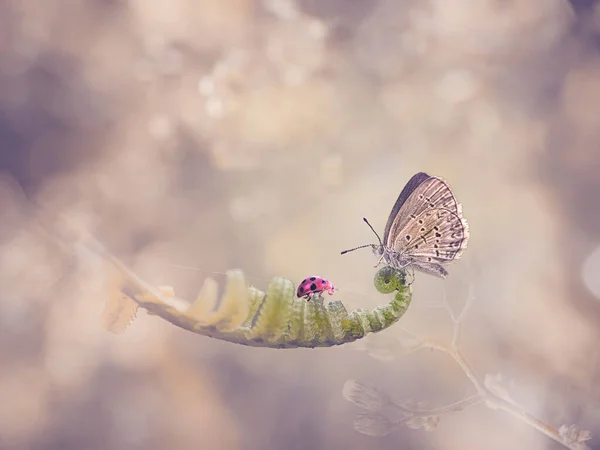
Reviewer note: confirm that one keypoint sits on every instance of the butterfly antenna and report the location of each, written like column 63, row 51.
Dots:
column 373, row 229
column 366, row 245
column 356, row 248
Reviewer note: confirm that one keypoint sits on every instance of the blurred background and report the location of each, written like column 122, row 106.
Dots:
column 256, row 135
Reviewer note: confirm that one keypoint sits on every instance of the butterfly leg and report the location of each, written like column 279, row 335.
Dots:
column 379, row 262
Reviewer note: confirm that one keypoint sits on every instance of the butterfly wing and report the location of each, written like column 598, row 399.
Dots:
column 441, row 237
column 412, row 184
column 427, row 193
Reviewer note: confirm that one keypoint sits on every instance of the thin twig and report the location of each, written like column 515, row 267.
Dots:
column 446, row 304
column 460, row 405
column 469, row 372
column 456, row 332
column 495, row 402
column 492, row 400
column 468, row 303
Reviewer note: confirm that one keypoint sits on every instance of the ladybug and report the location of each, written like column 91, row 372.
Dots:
column 311, row 286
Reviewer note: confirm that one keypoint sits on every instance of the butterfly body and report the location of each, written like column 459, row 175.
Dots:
column 314, row 286
column 425, row 229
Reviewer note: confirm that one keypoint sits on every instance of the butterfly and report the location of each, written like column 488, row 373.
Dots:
column 425, row 229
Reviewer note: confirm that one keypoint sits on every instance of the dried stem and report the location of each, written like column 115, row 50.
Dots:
column 460, row 405
column 491, row 399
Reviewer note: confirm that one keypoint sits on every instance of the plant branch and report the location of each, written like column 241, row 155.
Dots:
column 570, row 437
column 491, row 399
column 460, row 405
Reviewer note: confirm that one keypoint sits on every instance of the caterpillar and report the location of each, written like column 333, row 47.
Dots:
column 248, row 316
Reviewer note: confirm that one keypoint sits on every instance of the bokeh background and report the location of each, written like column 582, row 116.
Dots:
column 256, row 135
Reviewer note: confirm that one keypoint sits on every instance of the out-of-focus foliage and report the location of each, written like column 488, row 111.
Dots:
column 256, row 134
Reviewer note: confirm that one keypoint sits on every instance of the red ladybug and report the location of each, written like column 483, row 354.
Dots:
column 311, row 286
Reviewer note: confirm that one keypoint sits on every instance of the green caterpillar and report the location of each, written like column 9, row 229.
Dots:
column 248, row 316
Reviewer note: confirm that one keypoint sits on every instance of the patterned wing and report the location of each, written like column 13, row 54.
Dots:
column 432, row 193
column 436, row 235
column 412, row 184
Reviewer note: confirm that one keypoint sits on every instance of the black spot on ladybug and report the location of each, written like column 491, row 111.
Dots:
column 313, row 287
column 438, row 235
column 324, row 281
column 301, row 289
column 313, row 278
